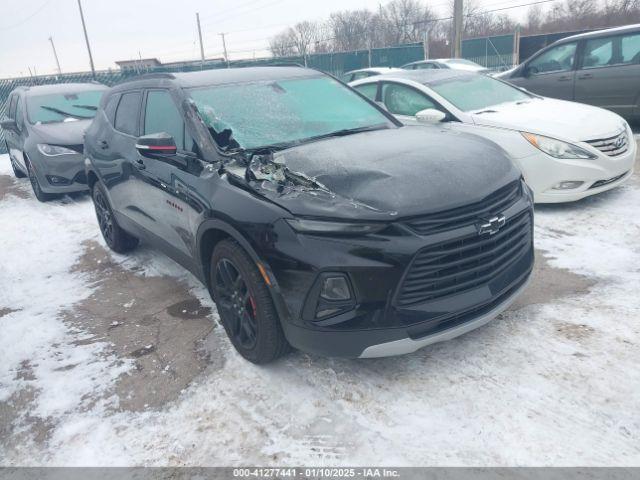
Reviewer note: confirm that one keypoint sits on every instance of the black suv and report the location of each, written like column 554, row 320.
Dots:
column 315, row 219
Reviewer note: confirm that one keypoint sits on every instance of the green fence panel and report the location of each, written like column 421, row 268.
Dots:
column 495, row 52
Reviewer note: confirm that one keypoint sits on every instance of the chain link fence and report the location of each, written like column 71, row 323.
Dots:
column 334, row 63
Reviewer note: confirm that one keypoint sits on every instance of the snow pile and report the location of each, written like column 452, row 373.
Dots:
column 549, row 384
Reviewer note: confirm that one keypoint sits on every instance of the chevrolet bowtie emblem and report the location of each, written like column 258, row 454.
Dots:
column 491, row 226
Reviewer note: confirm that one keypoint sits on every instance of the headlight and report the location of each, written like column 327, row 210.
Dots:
column 54, row 150
column 303, row 225
column 557, row 148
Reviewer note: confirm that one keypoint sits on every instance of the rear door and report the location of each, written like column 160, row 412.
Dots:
column 118, row 157
column 552, row 73
column 609, row 73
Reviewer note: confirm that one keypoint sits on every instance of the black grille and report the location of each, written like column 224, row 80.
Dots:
column 466, row 263
column 492, row 204
column 601, row 183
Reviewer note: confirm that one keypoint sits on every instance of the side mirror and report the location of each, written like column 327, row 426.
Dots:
column 527, row 71
column 430, row 115
column 156, row 144
column 9, row 124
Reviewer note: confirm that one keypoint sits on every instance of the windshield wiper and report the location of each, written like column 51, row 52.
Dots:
column 344, row 132
column 484, row 111
column 87, row 107
column 66, row 114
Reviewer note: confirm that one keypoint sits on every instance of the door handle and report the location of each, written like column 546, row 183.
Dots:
column 585, row 76
column 565, row 78
column 103, row 144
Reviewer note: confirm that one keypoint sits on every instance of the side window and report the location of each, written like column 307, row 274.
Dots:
column 598, row 52
column 360, row 75
column 128, row 113
column 161, row 115
column 558, row 59
column 426, row 66
column 369, row 90
column 404, row 100
column 630, row 49
column 19, row 115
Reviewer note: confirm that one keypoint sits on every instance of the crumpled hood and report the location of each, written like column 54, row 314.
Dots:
column 555, row 118
column 62, row 133
column 393, row 173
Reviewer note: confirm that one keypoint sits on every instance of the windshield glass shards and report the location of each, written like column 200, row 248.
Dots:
column 63, row 107
column 278, row 114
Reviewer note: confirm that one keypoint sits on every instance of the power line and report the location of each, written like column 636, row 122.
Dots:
column 28, row 18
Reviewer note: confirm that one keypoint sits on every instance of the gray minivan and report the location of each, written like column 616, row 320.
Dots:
column 44, row 131
column 600, row 68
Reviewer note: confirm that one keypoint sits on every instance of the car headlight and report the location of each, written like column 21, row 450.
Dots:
column 54, row 150
column 320, row 227
column 557, row 148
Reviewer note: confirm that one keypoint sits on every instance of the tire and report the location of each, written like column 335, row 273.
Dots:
column 114, row 236
column 16, row 171
column 40, row 195
column 245, row 305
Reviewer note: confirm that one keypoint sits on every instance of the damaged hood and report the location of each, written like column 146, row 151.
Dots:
column 390, row 173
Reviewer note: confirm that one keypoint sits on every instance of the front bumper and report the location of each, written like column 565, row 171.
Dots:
column 381, row 321
column 67, row 169
column 543, row 172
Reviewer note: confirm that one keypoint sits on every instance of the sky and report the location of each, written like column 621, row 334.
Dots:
column 127, row 29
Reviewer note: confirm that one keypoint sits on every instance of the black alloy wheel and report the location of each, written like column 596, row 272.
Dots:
column 245, row 305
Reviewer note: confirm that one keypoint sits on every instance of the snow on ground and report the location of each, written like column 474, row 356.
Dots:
column 553, row 382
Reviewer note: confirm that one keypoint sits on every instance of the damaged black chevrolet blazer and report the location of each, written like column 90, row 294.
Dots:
column 314, row 218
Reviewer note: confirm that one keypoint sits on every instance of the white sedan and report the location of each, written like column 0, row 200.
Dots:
column 566, row 151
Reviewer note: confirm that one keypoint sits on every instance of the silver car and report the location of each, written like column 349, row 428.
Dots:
column 44, row 134
column 600, row 68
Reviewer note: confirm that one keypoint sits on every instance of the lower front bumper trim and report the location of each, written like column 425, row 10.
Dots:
column 409, row 345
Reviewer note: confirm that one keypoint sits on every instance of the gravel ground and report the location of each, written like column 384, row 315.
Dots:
column 113, row 360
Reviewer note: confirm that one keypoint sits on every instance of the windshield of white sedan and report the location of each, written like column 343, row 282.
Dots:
column 281, row 112
column 478, row 92
column 63, row 107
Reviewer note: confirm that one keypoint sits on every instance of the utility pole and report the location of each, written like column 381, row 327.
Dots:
column 457, row 29
column 425, row 44
column 86, row 39
column 224, row 46
column 55, row 54
column 200, row 38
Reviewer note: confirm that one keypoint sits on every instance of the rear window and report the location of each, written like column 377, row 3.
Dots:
column 63, row 107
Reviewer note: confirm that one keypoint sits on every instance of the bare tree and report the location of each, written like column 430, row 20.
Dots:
column 352, row 30
column 405, row 21
column 282, row 45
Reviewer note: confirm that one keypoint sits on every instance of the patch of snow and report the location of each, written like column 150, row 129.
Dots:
column 516, row 392
column 39, row 244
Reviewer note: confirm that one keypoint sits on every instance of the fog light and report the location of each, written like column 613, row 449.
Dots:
column 56, row 180
column 567, row 185
column 335, row 289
